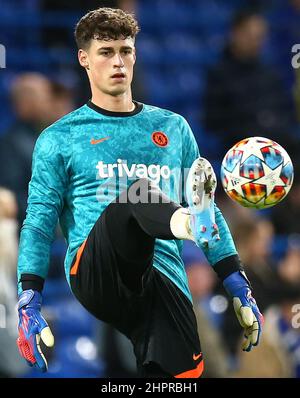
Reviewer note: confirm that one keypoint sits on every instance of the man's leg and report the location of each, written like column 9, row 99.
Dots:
column 120, row 248
column 134, row 222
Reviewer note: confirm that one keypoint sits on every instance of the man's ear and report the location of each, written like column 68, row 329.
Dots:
column 83, row 58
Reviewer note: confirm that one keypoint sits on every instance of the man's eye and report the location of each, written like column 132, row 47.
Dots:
column 105, row 53
column 127, row 52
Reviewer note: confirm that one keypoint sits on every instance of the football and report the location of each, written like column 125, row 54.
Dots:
column 257, row 172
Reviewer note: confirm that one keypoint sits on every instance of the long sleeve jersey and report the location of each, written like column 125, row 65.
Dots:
column 88, row 157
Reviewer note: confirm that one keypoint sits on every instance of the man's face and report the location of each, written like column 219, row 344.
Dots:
column 109, row 64
column 32, row 98
column 249, row 38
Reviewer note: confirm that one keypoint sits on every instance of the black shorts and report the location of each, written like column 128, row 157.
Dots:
column 157, row 317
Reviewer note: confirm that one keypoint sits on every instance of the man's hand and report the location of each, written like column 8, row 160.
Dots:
column 33, row 327
column 247, row 312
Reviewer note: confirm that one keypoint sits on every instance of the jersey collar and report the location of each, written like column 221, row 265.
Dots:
column 138, row 108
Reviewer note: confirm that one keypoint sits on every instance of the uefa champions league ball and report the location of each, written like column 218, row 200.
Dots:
column 257, row 172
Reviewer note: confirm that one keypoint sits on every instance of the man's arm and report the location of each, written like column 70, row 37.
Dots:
column 45, row 203
column 223, row 257
column 46, row 198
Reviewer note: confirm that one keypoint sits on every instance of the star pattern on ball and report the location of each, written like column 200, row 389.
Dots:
column 253, row 147
column 235, row 180
column 271, row 178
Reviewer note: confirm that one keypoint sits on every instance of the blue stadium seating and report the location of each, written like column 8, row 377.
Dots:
column 179, row 40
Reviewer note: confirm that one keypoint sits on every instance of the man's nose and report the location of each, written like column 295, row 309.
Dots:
column 118, row 61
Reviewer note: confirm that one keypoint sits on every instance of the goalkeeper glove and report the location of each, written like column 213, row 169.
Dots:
column 33, row 327
column 245, row 307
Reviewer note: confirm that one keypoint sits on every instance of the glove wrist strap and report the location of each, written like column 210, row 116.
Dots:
column 30, row 298
column 236, row 281
column 25, row 298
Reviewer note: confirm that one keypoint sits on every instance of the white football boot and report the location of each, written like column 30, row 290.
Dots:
column 200, row 190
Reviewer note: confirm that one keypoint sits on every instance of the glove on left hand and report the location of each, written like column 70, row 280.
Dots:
column 245, row 307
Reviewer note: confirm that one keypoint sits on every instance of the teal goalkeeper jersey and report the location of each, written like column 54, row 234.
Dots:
column 87, row 158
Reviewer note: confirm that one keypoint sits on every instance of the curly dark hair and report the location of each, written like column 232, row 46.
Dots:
column 105, row 24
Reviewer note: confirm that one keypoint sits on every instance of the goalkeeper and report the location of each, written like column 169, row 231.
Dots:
column 111, row 172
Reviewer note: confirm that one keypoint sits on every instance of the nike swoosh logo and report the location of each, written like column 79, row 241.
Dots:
column 195, row 357
column 94, row 142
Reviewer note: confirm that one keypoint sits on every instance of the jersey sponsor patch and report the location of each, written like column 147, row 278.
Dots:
column 153, row 171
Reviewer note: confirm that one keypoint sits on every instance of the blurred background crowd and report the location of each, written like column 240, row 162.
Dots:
column 227, row 68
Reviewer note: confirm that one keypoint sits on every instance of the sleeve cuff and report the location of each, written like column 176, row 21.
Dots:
column 227, row 266
column 31, row 281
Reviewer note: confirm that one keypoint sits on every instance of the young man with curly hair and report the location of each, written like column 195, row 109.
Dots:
column 112, row 173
